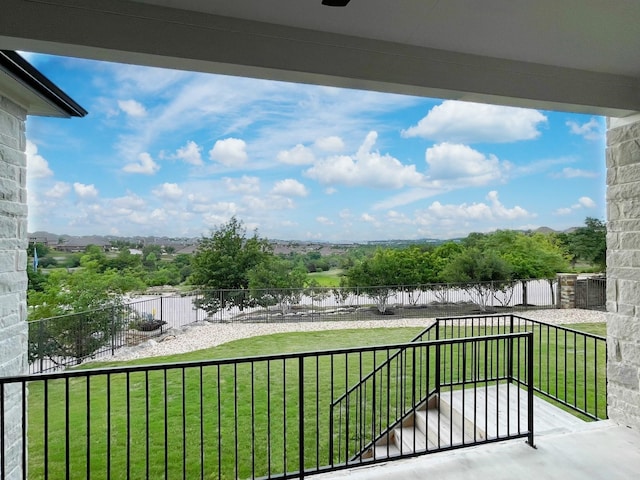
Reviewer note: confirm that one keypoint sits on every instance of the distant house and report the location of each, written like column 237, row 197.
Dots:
column 77, row 245
column 188, row 250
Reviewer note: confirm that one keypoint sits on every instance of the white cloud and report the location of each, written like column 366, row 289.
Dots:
column 464, row 166
column 465, row 122
column 145, row 165
column 290, row 188
column 59, row 190
column 410, row 196
column 37, row 166
column 345, row 214
column 368, row 218
column 159, row 215
column 190, row 153
column 397, row 218
column 586, row 202
column 244, row 184
column 330, row 190
column 493, row 210
column 129, row 202
column 267, row 204
column 85, row 191
column 230, row 152
column 583, row 202
column 330, row 144
column 298, row 155
column 168, row 191
column 563, row 211
column 324, row 221
column 569, row 172
column 591, row 130
column 132, row 108
column 366, row 168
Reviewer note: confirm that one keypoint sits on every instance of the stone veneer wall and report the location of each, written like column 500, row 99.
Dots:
column 567, row 290
column 623, row 270
column 13, row 276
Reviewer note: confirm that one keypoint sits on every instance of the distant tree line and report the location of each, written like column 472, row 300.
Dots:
column 234, row 269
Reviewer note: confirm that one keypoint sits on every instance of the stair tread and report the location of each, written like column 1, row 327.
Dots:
column 444, row 432
column 491, row 413
column 405, row 437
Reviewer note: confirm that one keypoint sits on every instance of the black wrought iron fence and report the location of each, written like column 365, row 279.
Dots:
column 570, row 365
column 399, row 408
column 375, row 302
column 591, row 293
column 58, row 342
column 238, row 418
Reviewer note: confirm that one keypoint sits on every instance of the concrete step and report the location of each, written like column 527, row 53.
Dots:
column 410, row 439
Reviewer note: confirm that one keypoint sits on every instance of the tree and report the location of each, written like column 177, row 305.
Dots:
column 530, row 256
column 480, row 271
column 368, row 276
column 75, row 314
column 589, row 243
column 277, row 282
column 221, row 265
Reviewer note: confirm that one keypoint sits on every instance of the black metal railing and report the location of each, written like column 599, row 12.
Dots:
column 375, row 302
column 399, row 409
column 58, row 342
column 591, row 293
column 238, row 418
column 569, row 365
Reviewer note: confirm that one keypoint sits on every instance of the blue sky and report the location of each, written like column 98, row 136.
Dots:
column 172, row 153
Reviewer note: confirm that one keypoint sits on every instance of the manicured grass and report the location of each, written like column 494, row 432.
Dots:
column 193, row 414
column 240, row 419
column 330, row 278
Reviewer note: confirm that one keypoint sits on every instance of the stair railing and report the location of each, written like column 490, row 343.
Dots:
column 417, row 372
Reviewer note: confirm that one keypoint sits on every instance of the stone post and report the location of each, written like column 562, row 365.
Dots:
column 13, row 277
column 623, row 270
column 567, row 290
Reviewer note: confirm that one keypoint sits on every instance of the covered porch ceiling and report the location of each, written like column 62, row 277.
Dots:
column 574, row 55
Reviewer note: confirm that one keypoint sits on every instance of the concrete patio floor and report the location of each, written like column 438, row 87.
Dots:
column 599, row 450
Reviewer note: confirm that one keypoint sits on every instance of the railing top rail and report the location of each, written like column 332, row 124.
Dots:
column 520, row 318
column 561, row 327
column 378, row 367
column 241, row 360
column 446, row 341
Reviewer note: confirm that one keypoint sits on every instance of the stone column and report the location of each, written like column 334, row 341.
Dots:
column 623, row 270
column 13, row 276
column 567, row 290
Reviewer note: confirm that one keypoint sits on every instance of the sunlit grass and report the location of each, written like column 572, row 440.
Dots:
column 195, row 414
column 330, row 278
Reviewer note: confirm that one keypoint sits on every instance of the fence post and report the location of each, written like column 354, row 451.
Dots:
column 113, row 330
column 40, row 353
column 438, row 359
column 530, row 397
column 301, row 415
column 510, row 352
column 331, row 428
column 161, row 301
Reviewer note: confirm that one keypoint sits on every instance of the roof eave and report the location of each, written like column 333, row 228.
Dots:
column 36, row 83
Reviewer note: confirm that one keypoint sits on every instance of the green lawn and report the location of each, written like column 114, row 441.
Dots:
column 330, row 278
column 193, row 414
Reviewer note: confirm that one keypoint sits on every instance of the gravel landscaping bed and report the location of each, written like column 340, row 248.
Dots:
column 204, row 335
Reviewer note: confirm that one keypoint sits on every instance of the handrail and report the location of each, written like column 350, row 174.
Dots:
column 573, row 350
column 385, row 362
column 581, row 392
column 359, row 424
